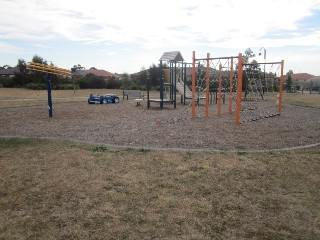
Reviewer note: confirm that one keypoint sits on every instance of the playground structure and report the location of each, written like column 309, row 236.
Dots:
column 263, row 92
column 262, row 108
column 38, row 67
column 168, row 79
column 220, row 80
column 214, row 77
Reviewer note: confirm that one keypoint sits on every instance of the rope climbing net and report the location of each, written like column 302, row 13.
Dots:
column 227, row 86
column 261, row 91
column 215, row 85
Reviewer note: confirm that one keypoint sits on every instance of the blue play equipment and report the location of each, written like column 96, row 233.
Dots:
column 103, row 99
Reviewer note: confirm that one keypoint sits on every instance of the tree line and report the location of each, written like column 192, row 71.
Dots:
column 24, row 78
column 36, row 80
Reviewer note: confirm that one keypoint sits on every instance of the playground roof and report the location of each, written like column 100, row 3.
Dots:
column 172, row 56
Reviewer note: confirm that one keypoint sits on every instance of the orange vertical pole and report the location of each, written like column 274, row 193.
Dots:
column 280, row 89
column 231, row 86
column 239, row 89
column 193, row 84
column 220, row 90
column 207, row 85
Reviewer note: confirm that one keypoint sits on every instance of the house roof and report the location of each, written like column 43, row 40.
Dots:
column 9, row 71
column 301, row 76
column 172, row 56
column 99, row 73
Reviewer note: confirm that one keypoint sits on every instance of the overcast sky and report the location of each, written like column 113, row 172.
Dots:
column 126, row 35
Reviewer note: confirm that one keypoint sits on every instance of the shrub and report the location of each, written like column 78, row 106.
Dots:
column 36, row 86
column 66, row 87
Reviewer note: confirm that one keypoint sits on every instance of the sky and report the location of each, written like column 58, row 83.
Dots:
column 125, row 36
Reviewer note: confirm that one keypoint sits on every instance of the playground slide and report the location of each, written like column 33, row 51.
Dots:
column 188, row 94
column 180, row 88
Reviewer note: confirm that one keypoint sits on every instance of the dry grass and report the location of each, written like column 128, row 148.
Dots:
column 9, row 96
column 64, row 190
column 303, row 100
column 19, row 97
column 12, row 93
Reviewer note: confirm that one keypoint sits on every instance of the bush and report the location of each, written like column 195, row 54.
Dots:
column 36, row 86
column 113, row 84
column 66, row 87
column 7, row 82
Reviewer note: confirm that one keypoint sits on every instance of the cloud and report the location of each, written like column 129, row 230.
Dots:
column 9, row 48
column 157, row 26
column 145, row 21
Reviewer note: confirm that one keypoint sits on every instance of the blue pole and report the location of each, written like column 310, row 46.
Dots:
column 49, row 94
column 174, row 94
column 161, row 86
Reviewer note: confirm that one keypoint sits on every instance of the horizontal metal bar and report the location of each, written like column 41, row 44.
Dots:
column 201, row 59
column 251, row 64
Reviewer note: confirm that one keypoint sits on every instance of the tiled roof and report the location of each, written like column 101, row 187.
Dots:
column 9, row 71
column 99, row 73
column 301, row 76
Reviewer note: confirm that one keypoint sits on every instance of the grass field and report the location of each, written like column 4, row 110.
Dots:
column 19, row 97
column 9, row 97
column 66, row 190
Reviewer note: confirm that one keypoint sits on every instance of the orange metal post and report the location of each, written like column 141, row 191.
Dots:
column 239, row 89
column 193, row 84
column 231, row 86
column 281, row 90
column 219, row 91
column 207, row 85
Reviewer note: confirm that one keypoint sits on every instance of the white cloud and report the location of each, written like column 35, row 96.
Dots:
column 8, row 48
column 148, row 21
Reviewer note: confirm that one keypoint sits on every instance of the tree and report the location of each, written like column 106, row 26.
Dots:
column 77, row 67
column 251, row 70
column 127, row 83
column 21, row 77
column 38, row 59
column 289, row 81
column 311, row 86
column 6, row 67
column 154, row 75
column 140, row 79
column 22, row 66
column 248, row 54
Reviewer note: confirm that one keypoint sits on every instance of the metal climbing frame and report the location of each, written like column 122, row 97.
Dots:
column 266, row 109
column 49, row 70
column 239, row 84
column 211, row 79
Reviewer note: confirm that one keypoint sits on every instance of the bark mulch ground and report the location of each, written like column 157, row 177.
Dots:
column 127, row 125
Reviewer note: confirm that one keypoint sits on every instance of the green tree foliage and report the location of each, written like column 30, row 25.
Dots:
column 154, row 76
column 37, row 80
column 248, row 54
column 289, row 83
column 127, row 82
column 77, row 67
column 113, row 83
column 21, row 77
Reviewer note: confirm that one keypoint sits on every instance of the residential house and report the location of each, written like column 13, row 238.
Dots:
column 9, row 71
column 97, row 72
